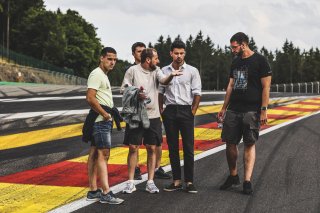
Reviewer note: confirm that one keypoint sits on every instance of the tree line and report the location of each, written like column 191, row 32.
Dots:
column 68, row 40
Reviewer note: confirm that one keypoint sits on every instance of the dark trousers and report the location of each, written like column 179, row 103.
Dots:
column 180, row 118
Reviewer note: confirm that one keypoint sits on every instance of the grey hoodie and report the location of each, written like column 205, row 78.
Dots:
column 134, row 110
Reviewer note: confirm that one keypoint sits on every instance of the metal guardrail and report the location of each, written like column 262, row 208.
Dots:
column 53, row 73
column 305, row 87
column 20, row 59
column 18, row 73
column 68, row 79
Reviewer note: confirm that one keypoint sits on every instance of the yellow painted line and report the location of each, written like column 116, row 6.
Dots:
column 303, row 106
column 207, row 134
column 39, row 136
column 36, row 198
column 208, row 109
column 216, row 108
column 317, row 101
column 165, row 160
column 119, row 156
column 277, row 121
column 282, row 100
column 285, row 112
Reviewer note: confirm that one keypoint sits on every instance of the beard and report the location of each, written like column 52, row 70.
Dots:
column 179, row 60
column 153, row 67
column 239, row 54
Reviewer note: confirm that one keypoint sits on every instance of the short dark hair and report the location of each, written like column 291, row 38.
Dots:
column 178, row 44
column 147, row 53
column 107, row 50
column 240, row 38
column 137, row 44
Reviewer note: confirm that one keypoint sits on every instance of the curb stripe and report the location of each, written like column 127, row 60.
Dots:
column 116, row 189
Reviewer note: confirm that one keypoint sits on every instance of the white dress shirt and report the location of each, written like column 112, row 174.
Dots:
column 182, row 89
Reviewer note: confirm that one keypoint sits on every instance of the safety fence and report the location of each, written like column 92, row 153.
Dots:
column 305, row 87
column 18, row 73
column 16, row 67
column 20, row 59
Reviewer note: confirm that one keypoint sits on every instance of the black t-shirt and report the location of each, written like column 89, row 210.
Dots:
column 247, row 90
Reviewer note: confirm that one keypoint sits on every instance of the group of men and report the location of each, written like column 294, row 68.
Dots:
column 178, row 87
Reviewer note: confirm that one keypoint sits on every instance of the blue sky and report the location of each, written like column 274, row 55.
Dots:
column 121, row 23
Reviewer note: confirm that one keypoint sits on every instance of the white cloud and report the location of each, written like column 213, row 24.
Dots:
column 123, row 22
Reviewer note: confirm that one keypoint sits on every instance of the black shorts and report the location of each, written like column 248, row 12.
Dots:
column 150, row 136
column 241, row 124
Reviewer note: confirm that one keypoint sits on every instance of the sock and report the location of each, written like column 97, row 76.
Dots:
column 150, row 181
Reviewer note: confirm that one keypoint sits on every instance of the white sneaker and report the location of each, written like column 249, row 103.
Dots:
column 152, row 188
column 129, row 188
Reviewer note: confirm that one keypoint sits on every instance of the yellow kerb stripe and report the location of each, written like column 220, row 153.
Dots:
column 119, row 156
column 303, row 106
column 282, row 100
column 208, row 109
column 285, row 112
column 317, row 101
column 39, row 136
column 276, row 121
column 36, row 198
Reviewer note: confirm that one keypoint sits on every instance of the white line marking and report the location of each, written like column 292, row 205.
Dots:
column 70, row 207
column 10, row 100
column 208, row 103
column 271, row 99
column 41, row 99
column 24, row 115
column 213, row 93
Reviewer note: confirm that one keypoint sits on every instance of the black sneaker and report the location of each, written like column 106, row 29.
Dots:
column 191, row 189
column 160, row 173
column 94, row 195
column 110, row 198
column 247, row 188
column 231, row 181
column 172, row 187
column 137, row 174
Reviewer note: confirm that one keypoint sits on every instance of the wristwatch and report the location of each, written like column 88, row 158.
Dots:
column 264, row 108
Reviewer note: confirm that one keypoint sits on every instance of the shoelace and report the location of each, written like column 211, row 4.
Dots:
column 153, row 187
column 129, row 186
column 112, row 196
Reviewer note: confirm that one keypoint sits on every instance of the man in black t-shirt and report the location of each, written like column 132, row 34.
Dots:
column 244, row 108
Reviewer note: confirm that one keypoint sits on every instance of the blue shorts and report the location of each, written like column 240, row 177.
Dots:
column 102, row 134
